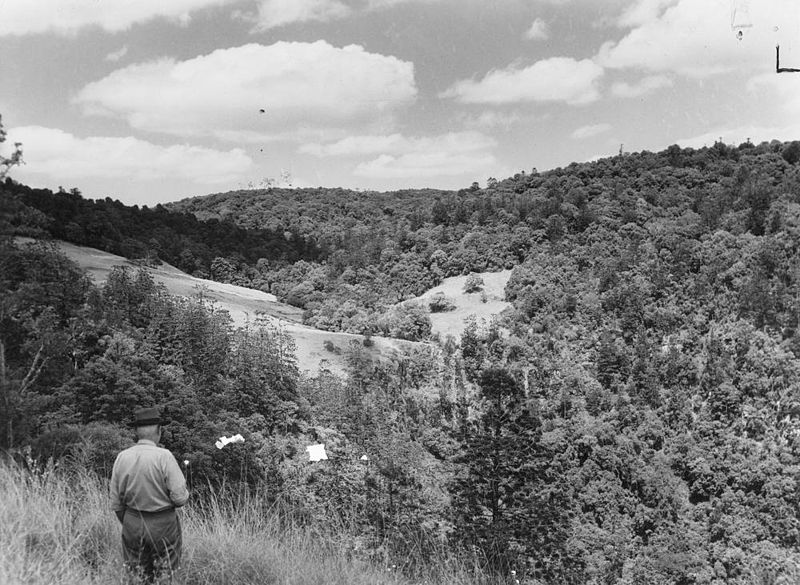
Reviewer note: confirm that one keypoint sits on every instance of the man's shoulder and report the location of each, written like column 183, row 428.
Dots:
column 138, row 448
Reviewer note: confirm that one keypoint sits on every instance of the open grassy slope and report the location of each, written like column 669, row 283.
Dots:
column 483, row 305
column 243, row 304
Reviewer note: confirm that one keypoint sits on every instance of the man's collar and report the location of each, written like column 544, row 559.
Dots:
column 146, row 442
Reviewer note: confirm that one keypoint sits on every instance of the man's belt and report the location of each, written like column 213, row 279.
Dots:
column 146, row 514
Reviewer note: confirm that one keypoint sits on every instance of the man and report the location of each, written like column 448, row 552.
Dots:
column 146, row 486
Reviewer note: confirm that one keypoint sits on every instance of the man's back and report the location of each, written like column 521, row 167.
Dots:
column 148, row 479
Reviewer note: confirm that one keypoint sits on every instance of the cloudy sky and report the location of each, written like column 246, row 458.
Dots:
column 154, row 100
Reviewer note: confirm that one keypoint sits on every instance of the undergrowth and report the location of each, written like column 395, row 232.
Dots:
column 58, row 528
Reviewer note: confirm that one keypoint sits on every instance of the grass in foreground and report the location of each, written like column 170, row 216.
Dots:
column 58, row 529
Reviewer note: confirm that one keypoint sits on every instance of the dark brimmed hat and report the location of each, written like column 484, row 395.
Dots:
column 148, row 416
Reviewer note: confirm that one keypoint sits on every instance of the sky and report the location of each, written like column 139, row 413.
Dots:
column 150, row 101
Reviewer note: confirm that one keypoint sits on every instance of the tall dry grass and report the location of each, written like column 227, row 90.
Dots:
column 57, row 528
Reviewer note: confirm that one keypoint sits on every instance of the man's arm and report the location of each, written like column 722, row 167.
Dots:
column 176, row 483
column 115, row 491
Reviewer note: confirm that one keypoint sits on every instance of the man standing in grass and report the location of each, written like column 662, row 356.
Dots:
column 147, row 485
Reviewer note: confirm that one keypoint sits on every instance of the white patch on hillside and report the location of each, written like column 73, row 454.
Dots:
column 452, row 322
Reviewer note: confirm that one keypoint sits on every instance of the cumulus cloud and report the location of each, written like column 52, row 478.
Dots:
column 642, row 12
column 299, row 87
column 61, row 155
column 69, row 16
column 642, row 87
column 275, row 13
column 559, row 79
column 402, row 157
column 538, row 31
column 591, row 130
column 698, row 39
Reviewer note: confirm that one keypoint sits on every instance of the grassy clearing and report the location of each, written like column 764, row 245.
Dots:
column 483, row 305
column 58, row 529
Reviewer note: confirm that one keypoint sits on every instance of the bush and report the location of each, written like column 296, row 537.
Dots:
column 791, row 153
column 331, row 347
column 441, row 303
column 474, row 283
column 94, row 446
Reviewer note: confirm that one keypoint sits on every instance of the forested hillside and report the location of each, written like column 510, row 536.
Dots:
column 634, row 417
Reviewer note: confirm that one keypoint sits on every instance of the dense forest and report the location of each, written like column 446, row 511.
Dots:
column 634, row 418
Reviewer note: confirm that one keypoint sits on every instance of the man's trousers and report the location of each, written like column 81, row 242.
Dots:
column 151, row 543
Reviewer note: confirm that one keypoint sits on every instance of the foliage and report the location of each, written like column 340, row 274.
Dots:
column 473, row 283
column 440, row 303
column 56, row 528
column 7, row 162
column 633, row 417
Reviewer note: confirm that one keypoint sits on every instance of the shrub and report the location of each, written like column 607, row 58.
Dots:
column 474, row 283
column 441, row 303
column 94, row 446
column 791, row 153
column 331, row 347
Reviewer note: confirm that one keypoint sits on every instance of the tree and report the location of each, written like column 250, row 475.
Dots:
column 14, row 159
column 500, row 504
column 791, row 153
column 473, row 283
column 41, row 293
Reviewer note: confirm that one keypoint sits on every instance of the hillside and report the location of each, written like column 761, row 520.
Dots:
column 631, row 414
column 243, row 304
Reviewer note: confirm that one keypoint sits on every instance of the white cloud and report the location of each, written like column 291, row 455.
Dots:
column 559, row 79
column 21, row 17
column 642, row 87
column 453, row 142
column 358, row 145
column 642, row 12
column 61, row 155
column 402, row 157
column 589, row 131
column 697, row 39
column 117, row 55
column 491, row 119
column 300, row 87
column 275, row 13
column 538, row 31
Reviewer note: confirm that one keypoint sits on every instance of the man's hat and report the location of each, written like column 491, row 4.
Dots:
column 148, row 416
